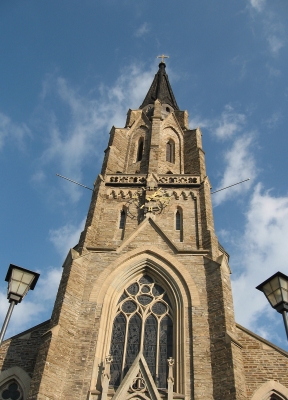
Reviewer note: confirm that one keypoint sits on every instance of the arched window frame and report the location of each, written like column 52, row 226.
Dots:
column 151, row 317
column 140, row 149
column 106, row 293
column 179, row 222
column 5, row 387
column 170, row 151
column 122, row 218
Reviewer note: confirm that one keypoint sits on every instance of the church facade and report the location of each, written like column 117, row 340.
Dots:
column 144, row 308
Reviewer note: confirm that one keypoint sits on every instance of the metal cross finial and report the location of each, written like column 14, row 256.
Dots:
column 162, row 56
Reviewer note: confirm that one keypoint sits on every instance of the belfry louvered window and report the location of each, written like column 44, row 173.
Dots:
column 143, row 323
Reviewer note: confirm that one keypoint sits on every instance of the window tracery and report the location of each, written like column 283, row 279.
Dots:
column 143, row 322
column 11, row 391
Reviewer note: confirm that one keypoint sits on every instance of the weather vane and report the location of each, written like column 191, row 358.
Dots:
column 162, row 56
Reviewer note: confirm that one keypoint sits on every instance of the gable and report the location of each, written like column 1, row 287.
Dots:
column 138, row 383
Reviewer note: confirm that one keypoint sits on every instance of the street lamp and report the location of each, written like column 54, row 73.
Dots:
column 20, row 281
column 275, row 289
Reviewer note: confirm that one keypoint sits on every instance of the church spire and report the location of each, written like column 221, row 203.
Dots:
column 160, row 89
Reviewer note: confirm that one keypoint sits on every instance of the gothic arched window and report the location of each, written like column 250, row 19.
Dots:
column 179, row 222
column 122, row 219
column 143, row 323
column 170, row 151
column 140, row 149
column 11, row 391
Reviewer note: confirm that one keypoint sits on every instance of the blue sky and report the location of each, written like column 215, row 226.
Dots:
column 71, row 69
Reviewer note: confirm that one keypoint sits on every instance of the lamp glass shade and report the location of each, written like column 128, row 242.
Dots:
column 20, row 281
column 276, row 290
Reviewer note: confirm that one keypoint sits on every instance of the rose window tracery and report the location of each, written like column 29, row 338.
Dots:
column 143, row 322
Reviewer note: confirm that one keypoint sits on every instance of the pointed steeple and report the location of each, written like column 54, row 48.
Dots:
column 160, row 89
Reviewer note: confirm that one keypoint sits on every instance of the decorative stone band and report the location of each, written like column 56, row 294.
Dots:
column 127, row 179
column 170, row 179
column 163, row 180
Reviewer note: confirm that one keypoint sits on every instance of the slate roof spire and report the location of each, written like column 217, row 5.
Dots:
column 160, row 89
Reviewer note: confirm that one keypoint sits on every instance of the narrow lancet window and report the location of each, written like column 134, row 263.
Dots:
column 179, row 223
column 122, row 219
column 140, row 149
column 150, row 343
column 178, row 220
column 170, row 151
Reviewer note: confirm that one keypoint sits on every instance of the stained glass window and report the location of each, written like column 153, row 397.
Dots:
column 123, row 297
column 150, row 343
column 143, row 323
column 146, row 279
column 117, row 348
column 166, row 347
column 133, row 289
column 129, row 307
column 144, row 300
column 133, row 341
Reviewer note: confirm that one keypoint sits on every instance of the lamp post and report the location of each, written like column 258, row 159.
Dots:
column 275, row 289
column 20, row 281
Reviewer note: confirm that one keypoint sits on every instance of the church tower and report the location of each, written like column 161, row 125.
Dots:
column 144, row 308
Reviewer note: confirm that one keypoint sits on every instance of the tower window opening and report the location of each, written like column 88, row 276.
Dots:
column 122, row 219
column 170, row 151
column 142, row 326
column 179, row 223
column 178, row 220
column 140, row 149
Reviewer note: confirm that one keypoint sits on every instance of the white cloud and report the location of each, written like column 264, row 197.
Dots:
column 275, row 43
column 11, row 131
column 258, row 5
column 198, row 121
column 273, row 29
column 240, row 165
column 84, row 136
column 273, row 121
column 230, row 123
column 225, row 127
column 262, row 251
column 142, row 30
column 66, row 237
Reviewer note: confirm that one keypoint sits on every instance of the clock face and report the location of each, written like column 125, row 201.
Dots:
column 148, row 201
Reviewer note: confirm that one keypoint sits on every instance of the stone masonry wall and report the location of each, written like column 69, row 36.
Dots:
column 262, row 361
column 21, row 350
